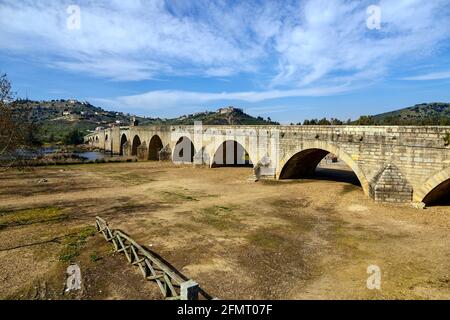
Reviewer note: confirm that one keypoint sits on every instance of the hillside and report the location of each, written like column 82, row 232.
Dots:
column 56, row 118
column 436, row 113
column 223, row 116
column 425, row 113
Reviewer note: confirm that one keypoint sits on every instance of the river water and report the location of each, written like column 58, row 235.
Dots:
column 89, row 155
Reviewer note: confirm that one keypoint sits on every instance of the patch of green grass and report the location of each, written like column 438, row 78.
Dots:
column 217, row 211
column 349, row 188
column 293, row 204
column 221, row 208
column 29, row 216
column 266, row 240
column 219, row 217
column 176, row 196
column 94, row 257
column 132, row 178
column 74, row 243
column 190, row 227
column 201, row 194
column 271, row 182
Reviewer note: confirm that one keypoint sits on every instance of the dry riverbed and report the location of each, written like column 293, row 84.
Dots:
column 239, row 239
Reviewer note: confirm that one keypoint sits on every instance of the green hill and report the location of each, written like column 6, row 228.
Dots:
column 55, row 118
column 223, row 116
column 435, row 113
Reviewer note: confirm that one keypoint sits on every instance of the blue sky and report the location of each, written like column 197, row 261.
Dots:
column 289, row 60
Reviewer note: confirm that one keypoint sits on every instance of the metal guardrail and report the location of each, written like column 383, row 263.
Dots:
column 171, row 284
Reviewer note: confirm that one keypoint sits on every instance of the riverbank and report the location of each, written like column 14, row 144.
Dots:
column 71, row 158
column 49, row 155
column 291, row 239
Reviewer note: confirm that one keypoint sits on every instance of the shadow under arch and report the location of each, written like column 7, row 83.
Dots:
column 436, row 190
column 231, row 153
column 184, row 151
column 154, row 147
column 123, row 140
column 302, row 163
column 135, row 145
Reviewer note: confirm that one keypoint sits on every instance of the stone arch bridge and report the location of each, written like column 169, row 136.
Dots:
column 409, row 164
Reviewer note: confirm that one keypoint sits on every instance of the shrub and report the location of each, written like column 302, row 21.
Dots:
column 447, row 139
column 74, row 137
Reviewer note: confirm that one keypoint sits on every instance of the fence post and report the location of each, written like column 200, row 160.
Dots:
column 189, row 290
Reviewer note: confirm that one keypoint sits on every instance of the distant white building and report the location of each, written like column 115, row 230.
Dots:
column 228, row 110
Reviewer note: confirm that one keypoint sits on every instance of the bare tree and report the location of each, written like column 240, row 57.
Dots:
column 15, row 127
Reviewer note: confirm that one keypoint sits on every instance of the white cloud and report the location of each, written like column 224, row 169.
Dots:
column 429, row 76
column 143, row 38
column 116, row 69
column 272, row 109
column 163, row 99
column 330, row 37
column 298, row 44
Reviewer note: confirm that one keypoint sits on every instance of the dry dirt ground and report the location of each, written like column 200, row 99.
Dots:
column 239, row 239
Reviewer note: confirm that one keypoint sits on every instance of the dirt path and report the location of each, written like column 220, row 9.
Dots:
column 237, row 238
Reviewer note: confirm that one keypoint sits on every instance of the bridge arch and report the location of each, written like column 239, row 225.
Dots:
column 136, row 143
column 435, row 188
column 231, row 153
column 184, row 151
column 123, row 140
column 154, row 147
column 310, row 154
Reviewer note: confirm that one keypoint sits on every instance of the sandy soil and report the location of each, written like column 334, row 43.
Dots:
column 239, row 239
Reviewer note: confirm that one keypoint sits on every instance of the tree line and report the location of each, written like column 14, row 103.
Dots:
column 19, row 133
column 375, row 121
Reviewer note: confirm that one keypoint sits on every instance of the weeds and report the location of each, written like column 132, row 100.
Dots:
column 94, row 257
column 349, row 188
column 30, row 216
column 219, row 217
column 266, row 240
column 131, row 178
column 174, row 196
column 447, row 139
column 74, row 243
